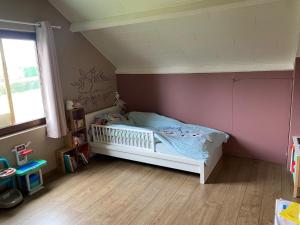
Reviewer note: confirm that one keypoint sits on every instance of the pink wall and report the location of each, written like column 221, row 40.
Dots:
column 295, row 109
column 254, row 108
column 295, row 118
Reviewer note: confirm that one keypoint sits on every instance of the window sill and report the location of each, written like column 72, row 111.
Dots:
column 20, row 128
column 21, row 132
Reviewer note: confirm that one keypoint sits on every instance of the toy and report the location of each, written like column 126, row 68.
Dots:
column 119, row 102
column 21, row 153
column 29, row 173
column 69, row 105
column 10, row 197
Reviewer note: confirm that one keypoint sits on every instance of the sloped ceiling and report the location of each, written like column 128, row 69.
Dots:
column 188, row 36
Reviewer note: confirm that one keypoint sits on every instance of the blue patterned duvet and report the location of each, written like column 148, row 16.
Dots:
column 189, row 140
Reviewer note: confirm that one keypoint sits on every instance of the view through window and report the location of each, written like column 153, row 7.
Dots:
column 20, row 90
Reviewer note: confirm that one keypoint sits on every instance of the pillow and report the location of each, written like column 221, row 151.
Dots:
column 115, row 116
column 109, row 117
column 121, row 122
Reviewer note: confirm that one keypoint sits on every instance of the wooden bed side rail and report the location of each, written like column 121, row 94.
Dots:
column 129, row 137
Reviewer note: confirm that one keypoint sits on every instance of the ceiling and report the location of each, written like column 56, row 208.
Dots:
column 189, row 36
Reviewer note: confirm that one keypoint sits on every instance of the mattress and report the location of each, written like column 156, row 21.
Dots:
column 168, row 150
column 165, row 149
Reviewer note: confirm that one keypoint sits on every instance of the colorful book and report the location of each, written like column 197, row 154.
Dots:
column 70, row 163
column 67, row 164
column 84, row 158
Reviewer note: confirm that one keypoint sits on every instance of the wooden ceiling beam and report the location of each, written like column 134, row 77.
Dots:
column 166, row 13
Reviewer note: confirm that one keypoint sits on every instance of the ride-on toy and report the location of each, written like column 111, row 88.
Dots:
column 10, row 195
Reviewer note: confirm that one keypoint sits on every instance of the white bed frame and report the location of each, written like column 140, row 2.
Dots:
column 139, row 145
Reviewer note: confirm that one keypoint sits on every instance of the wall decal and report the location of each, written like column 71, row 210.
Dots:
column 93, row 87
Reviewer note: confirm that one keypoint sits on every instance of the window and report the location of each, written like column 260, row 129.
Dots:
column 21, row 103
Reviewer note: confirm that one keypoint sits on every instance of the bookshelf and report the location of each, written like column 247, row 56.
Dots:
column 295, row 165
column 75, row 154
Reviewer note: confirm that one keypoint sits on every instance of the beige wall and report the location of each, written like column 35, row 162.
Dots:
column 75, row 54
column 43, row 147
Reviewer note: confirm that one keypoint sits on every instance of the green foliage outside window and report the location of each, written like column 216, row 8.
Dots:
column 30, row 72
column 21, row 87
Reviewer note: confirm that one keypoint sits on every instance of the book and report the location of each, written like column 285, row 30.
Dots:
column 74, row 164
column 81, row 159
column 70, row 163
column 67, row 164
column 84, row 159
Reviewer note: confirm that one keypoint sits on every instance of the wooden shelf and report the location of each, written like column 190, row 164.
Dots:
column 74, row 110
column 75, row 135
column 295, row 166
column 78, row 129
column 65, row 149
column 60, row 158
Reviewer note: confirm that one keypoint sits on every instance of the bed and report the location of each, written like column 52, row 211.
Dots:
column 142, row 145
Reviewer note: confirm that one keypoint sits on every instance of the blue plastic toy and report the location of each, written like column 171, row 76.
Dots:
column 29, row 173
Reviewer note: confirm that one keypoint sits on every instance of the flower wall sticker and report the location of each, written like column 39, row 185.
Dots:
column 93, row 87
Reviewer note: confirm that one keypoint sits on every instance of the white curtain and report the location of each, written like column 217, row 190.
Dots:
column 50, row 81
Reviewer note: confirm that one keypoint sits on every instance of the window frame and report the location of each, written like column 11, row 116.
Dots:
column 20, row 35
column 21, row 126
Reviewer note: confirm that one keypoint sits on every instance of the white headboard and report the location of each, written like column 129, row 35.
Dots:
column 89, row 118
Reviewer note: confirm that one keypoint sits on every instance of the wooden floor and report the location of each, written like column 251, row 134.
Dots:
column 113, row 191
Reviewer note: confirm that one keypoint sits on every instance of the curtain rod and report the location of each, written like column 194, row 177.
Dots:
column 26, row 23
